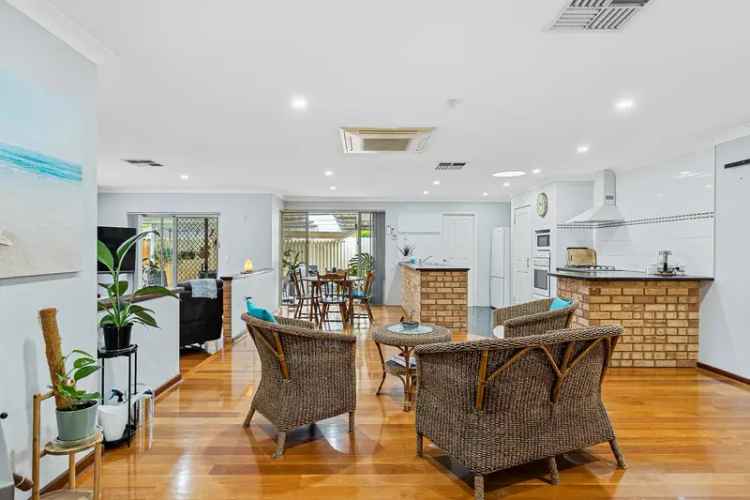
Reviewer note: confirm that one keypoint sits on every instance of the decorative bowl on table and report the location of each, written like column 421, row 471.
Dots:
column 410, row 325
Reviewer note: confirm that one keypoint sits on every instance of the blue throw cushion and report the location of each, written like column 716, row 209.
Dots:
column 558, row 303
column 259, row 312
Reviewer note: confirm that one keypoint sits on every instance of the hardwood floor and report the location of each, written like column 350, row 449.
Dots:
column 684, row 432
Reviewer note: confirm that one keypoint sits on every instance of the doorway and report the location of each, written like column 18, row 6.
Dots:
column 460, row 246
column 521, row 255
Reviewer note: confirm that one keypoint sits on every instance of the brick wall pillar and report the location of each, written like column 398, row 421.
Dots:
column 227, row 318
column 660, row 318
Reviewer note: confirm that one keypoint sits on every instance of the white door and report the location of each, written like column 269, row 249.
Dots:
column 521, row 255
column 498, row 297
column 459, row 244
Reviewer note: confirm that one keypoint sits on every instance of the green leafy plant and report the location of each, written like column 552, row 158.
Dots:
column 361, row 264
column 122, row 312
column 66, row 387
column 290, row 261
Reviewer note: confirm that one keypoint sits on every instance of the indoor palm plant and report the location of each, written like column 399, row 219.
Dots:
column 361, row 264
column 122, row 313
column 76, row 411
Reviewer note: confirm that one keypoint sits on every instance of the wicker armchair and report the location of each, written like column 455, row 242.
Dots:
column 532, row 318
column 495, row 404
column 306, row 375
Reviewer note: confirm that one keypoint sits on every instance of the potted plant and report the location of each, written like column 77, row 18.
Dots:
column 361, row 264
column 76, row 411
column 121, row 313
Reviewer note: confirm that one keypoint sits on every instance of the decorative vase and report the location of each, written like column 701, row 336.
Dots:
column 116, row 338
column 74, row 425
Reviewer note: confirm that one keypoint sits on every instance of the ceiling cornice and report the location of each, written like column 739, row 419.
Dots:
column 46, row 15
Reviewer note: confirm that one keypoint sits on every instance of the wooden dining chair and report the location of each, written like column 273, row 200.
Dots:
column 306, row 296
column 334, row 291
column 362, row 299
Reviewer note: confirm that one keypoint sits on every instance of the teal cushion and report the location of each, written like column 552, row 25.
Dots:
column 359, row 294
column 259, row 312
column 559, row 303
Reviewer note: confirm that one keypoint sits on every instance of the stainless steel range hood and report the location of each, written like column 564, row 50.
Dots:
column 605, row 202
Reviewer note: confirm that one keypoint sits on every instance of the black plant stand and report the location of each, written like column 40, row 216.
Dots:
column 130, row 352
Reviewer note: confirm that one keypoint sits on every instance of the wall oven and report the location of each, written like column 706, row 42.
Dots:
column 540, row 270
column 543, row 239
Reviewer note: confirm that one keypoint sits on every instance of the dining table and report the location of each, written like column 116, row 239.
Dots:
column 349, row 283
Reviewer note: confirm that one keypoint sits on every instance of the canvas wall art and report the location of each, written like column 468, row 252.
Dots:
column 41, row 179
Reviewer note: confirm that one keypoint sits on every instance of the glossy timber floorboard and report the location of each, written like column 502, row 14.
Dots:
column 685, row 434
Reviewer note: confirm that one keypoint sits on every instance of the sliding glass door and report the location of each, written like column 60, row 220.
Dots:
column 327, row 241
column 187, row 248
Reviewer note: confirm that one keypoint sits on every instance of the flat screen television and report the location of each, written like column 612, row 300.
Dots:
column 113, row 237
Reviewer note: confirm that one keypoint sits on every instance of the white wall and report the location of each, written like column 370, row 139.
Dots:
column 30, row 53
column 681, row 187
column 248, row 223
column 488, row 216
column 725, row 339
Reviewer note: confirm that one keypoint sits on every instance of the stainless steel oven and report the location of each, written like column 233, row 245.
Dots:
column 543, row 239
column 541, row 269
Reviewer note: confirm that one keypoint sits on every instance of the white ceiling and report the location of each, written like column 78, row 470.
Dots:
column 205, row 88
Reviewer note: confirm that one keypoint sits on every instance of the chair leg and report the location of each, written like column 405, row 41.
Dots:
column 554, row 474
column 420, row 444
column 280, row 441
column 478, row 487
column 369, row 312
column 249, row 416
column 618, row 454
column 351, row 421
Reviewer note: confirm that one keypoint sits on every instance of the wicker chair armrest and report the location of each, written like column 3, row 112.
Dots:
column 303, row 331
column 298, row 323
column 537, row 324
column 500, row 316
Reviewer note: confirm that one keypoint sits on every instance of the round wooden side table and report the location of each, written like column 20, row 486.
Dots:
column 405, row 342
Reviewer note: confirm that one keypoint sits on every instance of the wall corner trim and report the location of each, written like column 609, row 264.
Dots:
column 49, row 17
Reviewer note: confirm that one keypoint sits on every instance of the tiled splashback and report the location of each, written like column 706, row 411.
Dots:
column 669, row 206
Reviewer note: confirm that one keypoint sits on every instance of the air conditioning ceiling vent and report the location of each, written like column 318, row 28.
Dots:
column 144, row 163
column 450, row 165
column 597, row 15
column 357, row 140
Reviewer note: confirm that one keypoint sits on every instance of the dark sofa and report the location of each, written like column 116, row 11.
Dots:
column 200, row 318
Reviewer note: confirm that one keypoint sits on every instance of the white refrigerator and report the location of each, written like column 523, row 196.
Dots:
column 500, row 267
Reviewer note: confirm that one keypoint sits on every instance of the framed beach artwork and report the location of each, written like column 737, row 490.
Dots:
column 41, row 181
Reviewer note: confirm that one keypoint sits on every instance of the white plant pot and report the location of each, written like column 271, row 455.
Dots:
column 113, row 419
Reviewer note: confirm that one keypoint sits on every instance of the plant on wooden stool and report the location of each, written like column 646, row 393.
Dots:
column 122, row 314
column 76, row 413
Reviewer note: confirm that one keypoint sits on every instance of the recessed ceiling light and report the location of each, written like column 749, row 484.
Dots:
column 536, row 171
column 625, row 104
column 425, row 192
column 299, row 103
column 332, row 188
column 506, row 184
column 583, row 148
column 184, row 177
column 509, row 173
column 328, row 173
column 436, row 183
column 485, row 193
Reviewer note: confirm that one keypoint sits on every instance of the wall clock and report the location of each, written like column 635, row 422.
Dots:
column 542, row 204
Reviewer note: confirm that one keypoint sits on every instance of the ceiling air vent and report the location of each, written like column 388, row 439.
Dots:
column 450, row 165
column 144, row 163
column 385, row 140
column 597, row 15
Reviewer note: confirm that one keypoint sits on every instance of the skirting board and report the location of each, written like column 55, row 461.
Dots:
column 60, row 481
column 723, row 373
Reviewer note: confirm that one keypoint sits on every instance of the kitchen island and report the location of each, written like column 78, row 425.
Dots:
column 659, row 314
column 435, row 293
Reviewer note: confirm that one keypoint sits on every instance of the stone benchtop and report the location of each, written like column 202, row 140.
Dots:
column 433, row 267
column 625, row 276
